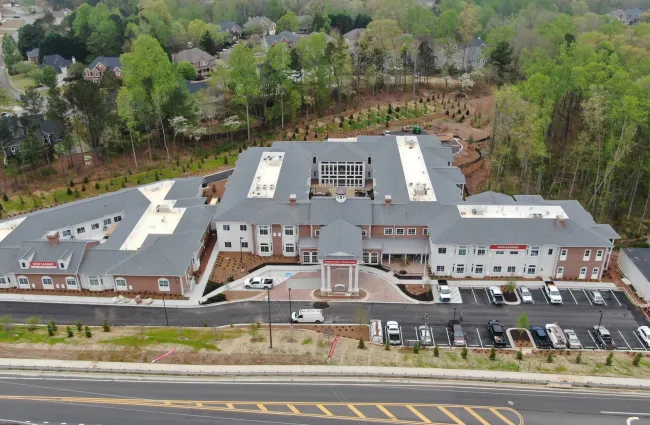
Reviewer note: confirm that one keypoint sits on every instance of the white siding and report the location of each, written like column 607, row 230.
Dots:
column 233, row 236
column 634, row 275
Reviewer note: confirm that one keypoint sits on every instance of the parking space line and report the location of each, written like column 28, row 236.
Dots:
column 500, row 416
column 639, row 339
column 574, row 298
column 451, row 415
column 624, row 340
column 417, row 413
column 616, row 298
column 592, row 338
column 324, row 410
column 588, row 299
column 487, row 294
column 448, row 339
column 386, row 412
column 356, row 411
column 474, row 293
column 433, row 340
column 544, row 295
column 476, row 416
column 479, row 337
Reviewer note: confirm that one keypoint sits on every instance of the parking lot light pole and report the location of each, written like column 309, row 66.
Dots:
column 454, row 313
column 268, row 299
column 241, row 251
column 165, row 308
column 601, row 319
column 290, row 321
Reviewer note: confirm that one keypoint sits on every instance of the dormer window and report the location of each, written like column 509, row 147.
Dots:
column 23, row 264
column 61, row 265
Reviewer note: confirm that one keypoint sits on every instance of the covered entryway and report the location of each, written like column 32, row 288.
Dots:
column 339, row 246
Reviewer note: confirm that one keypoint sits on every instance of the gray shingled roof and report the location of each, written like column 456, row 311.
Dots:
column 57, row 62
column 192, row 55
column 327, row 210
column 284, row 36
column 340, row 236
column 641, row 259
column 43, row 251
column 110, row 62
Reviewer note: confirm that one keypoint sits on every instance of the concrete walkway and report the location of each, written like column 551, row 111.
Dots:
column 323, row 371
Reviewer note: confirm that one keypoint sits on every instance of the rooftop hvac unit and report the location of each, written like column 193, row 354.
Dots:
column 162, row 208
column 272, row 187
column 411, row 142
column 538, row 215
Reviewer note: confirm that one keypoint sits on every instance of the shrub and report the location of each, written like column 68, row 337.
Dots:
column 459, row 111
column 341, row 124
column 453, row 115
column 387, row 345
column 106, row 326
column 32, row 323
column 464, row 353
column 71, row 183
column 76, row 193
column 579, row 358
column 436, row 351
column 5, row 197
column 609, row 360
column 493, row 354
column 397, row 109
column 79, row 325
column 416, row 348
column 52, row 324
column 205, row 323
column 96, row 186
column 83, row 188
column 636, row 359
column 421, row 101
column 69, row 331
column 86, row 179
column 361, row 344
column 447, row 112
column 390, row 109
column 69, row 191
column 351, row 118
column 225, row 158
column 87, row 332
column 467, row 112
column 50, row 331
column 520, row 355
column 428, row 99
column 549, row 357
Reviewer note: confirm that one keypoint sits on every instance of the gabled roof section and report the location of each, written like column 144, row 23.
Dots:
column 326, row 210
column 33, row 53
column 110, row 62
column 340, row 237
column 57, row 62
column 192, row 55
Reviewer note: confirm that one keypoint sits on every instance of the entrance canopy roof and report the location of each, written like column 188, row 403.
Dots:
column 340, row 240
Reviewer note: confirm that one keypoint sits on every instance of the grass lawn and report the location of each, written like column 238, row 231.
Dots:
column 38, row 336
column 21, row 81
column 195, row 338
column 12, row 24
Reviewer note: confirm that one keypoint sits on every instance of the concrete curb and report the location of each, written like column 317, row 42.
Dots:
column 320, row 371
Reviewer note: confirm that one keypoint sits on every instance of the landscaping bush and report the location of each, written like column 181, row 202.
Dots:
column 50, row 331
column 579, row 358
column 86, row 179
column 71, row 183
column 397, row 109
column 520, row 355
column 87, row 332
column 361, row 344
column 69, row 331
column 32, row 323
column 83, row 188
column 341, row 124
column 69, row 191
column 464, row 353
column 436, row 351
column 549, row 357
column 106, row 326
column 387, row 345
column 609, row 360
column 96, row 186
column 493, row 354
column 416, row 348
column 79, row 325
column 211, row 286
column 5, row 197
column 52, row 323
column 447, row 112
column 215, row 299
column 390, row 109
column 636, row 359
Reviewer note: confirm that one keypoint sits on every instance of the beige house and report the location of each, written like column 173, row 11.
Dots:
column 202, row 61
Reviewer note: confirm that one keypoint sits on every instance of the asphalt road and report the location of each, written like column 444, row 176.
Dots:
column 105, row 401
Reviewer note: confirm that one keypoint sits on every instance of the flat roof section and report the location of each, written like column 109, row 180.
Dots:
column 7, row 227
column 416, row 176
column 512, row 211
column 266, row 177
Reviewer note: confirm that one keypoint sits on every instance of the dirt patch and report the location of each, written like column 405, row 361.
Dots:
column 240, row 295
column 417, row 292
column 511, row 297
column 235, row 265
column 521, row 339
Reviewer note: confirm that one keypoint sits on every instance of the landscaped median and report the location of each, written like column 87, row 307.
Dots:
column 300, row 345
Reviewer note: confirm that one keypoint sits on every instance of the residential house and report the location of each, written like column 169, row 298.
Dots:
column 102, row 64
column 202, row 61
column 352, row 39
column 260, row 24
column 60, row 65
column 464, row 58
column 632, row 16
column 619, row 15
column 290, row 38
column 305, row 24
column 209, row 100
column 50, row 131
column 231, row 26
column 32, row 56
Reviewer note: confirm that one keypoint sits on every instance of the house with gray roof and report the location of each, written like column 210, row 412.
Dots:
column 468, row 57
column 15, row 130
column 386, row 201
column 233, row 27
column 305, row 24
column 101, row 65
column 288, row 37
column 146, row 239
column 260, row 25
column 202, row 61
column 634, row 263
column 32, row 56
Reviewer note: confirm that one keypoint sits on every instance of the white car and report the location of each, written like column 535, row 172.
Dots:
column 259, row 283
column 596, row 297
column 496, row 295
column 644, row 334
column 525, row 295
column 553, row 293
column 572, row 339
column 444, row 291
column 393, row 333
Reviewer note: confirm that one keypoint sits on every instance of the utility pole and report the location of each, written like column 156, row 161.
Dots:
column 165, row 308
column 454, row 313
column 268, row 301
column 290, row 312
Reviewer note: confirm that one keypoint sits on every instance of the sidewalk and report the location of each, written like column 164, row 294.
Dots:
column 323, row 371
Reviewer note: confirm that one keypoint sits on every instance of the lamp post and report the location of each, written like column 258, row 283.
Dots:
column 268, row 301
column 601, row 319
column 165, row 308
column 290, row 312
column 454, row 313
column 241, row 251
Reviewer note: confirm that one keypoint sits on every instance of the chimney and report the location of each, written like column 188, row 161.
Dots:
column 559, row 221
column 388, row 200
column 292, row 199
column 52, row 237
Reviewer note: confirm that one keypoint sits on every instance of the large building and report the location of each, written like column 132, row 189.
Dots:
column 389, row 199
column 138, row 240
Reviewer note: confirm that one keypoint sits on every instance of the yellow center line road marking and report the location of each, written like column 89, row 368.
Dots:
column 262, row 408
column 355, row 410
column 451, row 415
column 293, row 409
column 417, row 413
column 324, row 409
column 477, row 416
column 500, row 416
column 386, row 412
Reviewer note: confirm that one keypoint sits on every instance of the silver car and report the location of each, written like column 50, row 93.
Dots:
column 525, row 295
column 572, row 339
column 596, row 297
column 424, row 333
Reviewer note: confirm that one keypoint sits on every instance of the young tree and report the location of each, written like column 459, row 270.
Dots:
column 207, row 43
column 49, row 76
column 186, row 70
column 468, row 25
column 523, row 322
column 244, row 79
column 501, row 60
column 10, row 52
column 288, row 22
column 445, row 31
column 31, row 101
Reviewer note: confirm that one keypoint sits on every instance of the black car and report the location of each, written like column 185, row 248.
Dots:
column 498, row 333
column 604, row 338
column 540, row 337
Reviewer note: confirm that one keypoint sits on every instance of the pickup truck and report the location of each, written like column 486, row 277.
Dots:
column 553, row 293
column 444, row 291
column 498, row 333
column 393, row 333
column 540, row 337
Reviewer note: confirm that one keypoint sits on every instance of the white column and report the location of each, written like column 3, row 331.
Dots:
column 323, row 281
column 350, row 280
column 356, row 278
column 329, row 278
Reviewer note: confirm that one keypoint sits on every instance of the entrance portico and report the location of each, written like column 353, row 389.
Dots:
column 339, row 245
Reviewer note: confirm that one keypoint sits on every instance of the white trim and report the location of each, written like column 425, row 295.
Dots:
column 121, row 288
column 51, row 285
column 67, row 282
column 28, row 284
column 162, row 288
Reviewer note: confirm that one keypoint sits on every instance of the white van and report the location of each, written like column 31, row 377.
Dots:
column 376, row 332
column 308, row 316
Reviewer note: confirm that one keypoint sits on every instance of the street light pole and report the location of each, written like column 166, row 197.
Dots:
column 268, row 301
column 454, row 313
column 290, row 321
column 241, row 251
column 165, row 308
column 601, row 319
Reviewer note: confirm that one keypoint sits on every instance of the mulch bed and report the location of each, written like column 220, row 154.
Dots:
column 520, row 339
column 84, row 293
column 511, row 297
column 340, row 295
column 416, row 292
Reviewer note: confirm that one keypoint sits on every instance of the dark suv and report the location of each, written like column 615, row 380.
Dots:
column 498, row 333
column 604, row 338
column 540, row 337
column 456, row 334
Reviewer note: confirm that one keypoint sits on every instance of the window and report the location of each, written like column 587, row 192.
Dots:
column 81, row 230
column 563, row 254
column 442, row 250
column 425, row 231
column 594, row 273
column 365, row 257
column 374, row 258
column 440, row 269
column 288, row 231
column 599, row 254
column 399, row 232
column 117, row 218
column 163, row 284
column 226, row 227
column 534, row 251
column 94, row 226
column 500, row 252
column 242, row 227
column 23, row 281
column 512, row 269
column 120, row 283
column 587, row 255
column 107, row 221
column 550, row 251
column 306, row 257
column 228, row 244
column 47, row 281
column 264, row 230
column 514, row 252
column 496, row 269
column 316, row 232
column 264, row 247
column 71, row 281
column 23, row 265
column 583, row 273
column 478, row 269
column 388, row 231
column 364, row 233
column 460, row 268
column 244, row 244
column 67, row 232
column 61, row 265
column 531, row 269
column 94, row 281
column 290, row 248
column 462, row 250
column 480, row 251
column 559, row 273
column 411, row 232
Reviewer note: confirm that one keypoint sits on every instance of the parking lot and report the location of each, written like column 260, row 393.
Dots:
column 577, row 312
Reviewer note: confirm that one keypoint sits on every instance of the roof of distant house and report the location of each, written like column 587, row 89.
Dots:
column 192, row 55
column 229, row 25
column 284, row 36
column 110, row 62
column 57, row 62
column 258, row 20
column 196, row 86
column 33, row 53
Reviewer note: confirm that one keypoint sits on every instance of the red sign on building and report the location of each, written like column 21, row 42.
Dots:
column 42, row 264
column 508, row 247
column 341, row 262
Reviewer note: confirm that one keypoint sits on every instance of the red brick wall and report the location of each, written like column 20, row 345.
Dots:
column 277, row 240
column 574, row 262
column 378, row 232
column 35, row 279
column 304, row 231
column 142, row 284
